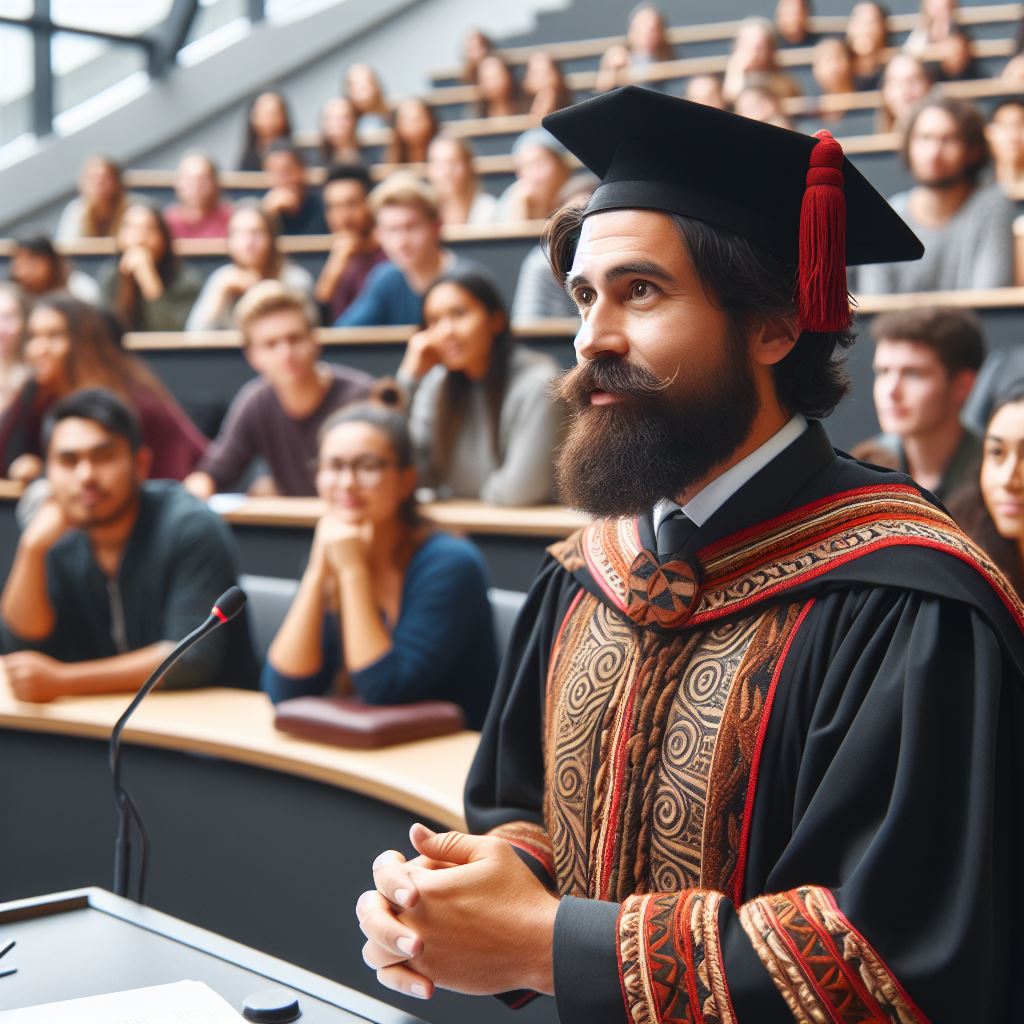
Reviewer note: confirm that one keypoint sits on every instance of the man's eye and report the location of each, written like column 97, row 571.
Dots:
column 584, row 296
column 641, row 289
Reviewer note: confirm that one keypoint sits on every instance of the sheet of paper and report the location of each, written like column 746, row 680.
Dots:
column 183, row 1002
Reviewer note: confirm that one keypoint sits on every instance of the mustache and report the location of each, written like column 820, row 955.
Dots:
column 612, row 374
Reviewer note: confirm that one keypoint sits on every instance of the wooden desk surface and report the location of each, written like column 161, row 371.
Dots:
column 425, row 778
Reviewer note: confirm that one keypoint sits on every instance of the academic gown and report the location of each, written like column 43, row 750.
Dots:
column 780, row 776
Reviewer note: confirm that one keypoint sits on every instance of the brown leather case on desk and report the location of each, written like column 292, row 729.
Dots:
column 350, row 722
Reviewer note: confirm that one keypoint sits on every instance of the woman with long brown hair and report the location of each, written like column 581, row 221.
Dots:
column 101, row 201
column 482, row 420
column 72, row 345
column 148, row 288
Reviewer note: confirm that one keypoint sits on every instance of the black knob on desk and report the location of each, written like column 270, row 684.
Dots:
column 271, row 1006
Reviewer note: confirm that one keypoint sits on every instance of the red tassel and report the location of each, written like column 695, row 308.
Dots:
column 823, row 300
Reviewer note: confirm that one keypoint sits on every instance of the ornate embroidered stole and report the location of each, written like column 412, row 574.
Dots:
column 659, row 690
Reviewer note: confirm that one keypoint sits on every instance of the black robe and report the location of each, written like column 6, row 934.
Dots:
column 806, row 802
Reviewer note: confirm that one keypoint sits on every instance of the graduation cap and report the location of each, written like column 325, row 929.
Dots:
column 796, row 195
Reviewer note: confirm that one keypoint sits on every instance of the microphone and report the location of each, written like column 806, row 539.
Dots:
column 227, row 606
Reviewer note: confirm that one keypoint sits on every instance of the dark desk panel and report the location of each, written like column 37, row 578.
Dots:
column 268, row 859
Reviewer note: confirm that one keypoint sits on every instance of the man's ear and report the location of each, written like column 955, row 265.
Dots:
column 962, row 382
column 773, row 338
column 143, row 462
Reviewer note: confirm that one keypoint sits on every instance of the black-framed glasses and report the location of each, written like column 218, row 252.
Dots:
column 367, row 470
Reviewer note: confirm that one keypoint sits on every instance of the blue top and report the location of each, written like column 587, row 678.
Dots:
column 386, row 298
column 443, row 645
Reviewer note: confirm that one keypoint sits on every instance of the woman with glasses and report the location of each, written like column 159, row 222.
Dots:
column 386, row 609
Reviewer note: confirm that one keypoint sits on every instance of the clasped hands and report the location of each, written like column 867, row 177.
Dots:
column 466, row 915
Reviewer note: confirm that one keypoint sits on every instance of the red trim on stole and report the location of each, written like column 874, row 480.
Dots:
column 755, row 764
column 613, row 807
column 830, row 896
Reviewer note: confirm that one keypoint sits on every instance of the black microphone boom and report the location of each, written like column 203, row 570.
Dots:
column 228, row 605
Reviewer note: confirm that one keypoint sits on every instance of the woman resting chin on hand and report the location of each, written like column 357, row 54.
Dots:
column 396, row 612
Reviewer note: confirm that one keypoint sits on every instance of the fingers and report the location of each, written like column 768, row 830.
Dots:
column 405, row 980
column 390, row 940
column 392, row 878
column 452, row 847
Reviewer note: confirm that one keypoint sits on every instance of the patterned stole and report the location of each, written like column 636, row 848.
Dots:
column 661, row 682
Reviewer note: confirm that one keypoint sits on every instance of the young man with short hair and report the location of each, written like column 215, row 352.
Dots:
column 409, row 232
column 754, row 752
column 966, row 226
column 354, row 248
column 298, row 208
column 277, row 417
column 113, row 570
column 925, row 364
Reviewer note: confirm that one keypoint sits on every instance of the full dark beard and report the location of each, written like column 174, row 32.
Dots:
column 618, row 460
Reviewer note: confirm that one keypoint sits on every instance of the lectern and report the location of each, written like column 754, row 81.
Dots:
column 87, row 941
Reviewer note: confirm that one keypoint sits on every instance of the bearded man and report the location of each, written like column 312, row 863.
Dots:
column 755, row 751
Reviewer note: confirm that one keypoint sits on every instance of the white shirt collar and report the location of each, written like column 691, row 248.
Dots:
column 705, row 503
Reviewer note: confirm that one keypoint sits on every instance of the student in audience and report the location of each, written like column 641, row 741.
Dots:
column 1013, row 71
column 14, row 309
column 759, row 102
column 615, row 69
column 793, row 23
column 1005, row 134
column 500, row 94
column 937, row 20
column 113, row 569
column 298, row 208
column 38, row 269
column 277, row 416
column 70, row 346
column 363, row 88
column 386, row 609
column 706, row 89
column 339, row 143
column 991, row 511
column 538, row 294
column 867, row 33
column 354, row 249
column 453, row 178
column 956, row 58
column 483, row 421
column 409, row 232
column 414, row 125
column 542, row 171
column 647, row 36
column 544, row 85
column 905, row 83
column 267, row 121
column 476, row 44
column 925, row 364
column 755, row 50
column 965, row 226
column 252, row 246
column 199, row 211
column 832, row 69
column 148, row 288
column 101, row 201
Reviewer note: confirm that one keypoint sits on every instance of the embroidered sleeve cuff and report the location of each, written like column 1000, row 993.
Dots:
column 587, row 989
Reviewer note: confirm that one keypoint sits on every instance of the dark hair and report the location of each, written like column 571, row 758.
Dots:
column 349, row 172
column 252, row 157
column 968, row 508
column 384, row 410
column 954, row 335
column 454, row 393
column 100, row 406
column 41, row 245
column 970, row 123
column 128, row 301
column 749, row 284
column 515, row 89
column 285, row 146
column 468, row 72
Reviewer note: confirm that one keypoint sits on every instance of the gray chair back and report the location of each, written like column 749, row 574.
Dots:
column 505, row 607
column 269, row 601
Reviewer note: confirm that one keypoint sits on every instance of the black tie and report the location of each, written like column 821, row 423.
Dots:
column 674, row 532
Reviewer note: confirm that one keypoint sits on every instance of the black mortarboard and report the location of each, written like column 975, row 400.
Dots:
column 779, row 188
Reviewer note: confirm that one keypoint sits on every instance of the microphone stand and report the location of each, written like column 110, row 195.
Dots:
column 127, row 811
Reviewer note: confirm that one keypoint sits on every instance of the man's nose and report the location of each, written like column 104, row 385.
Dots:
column 601, row 334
